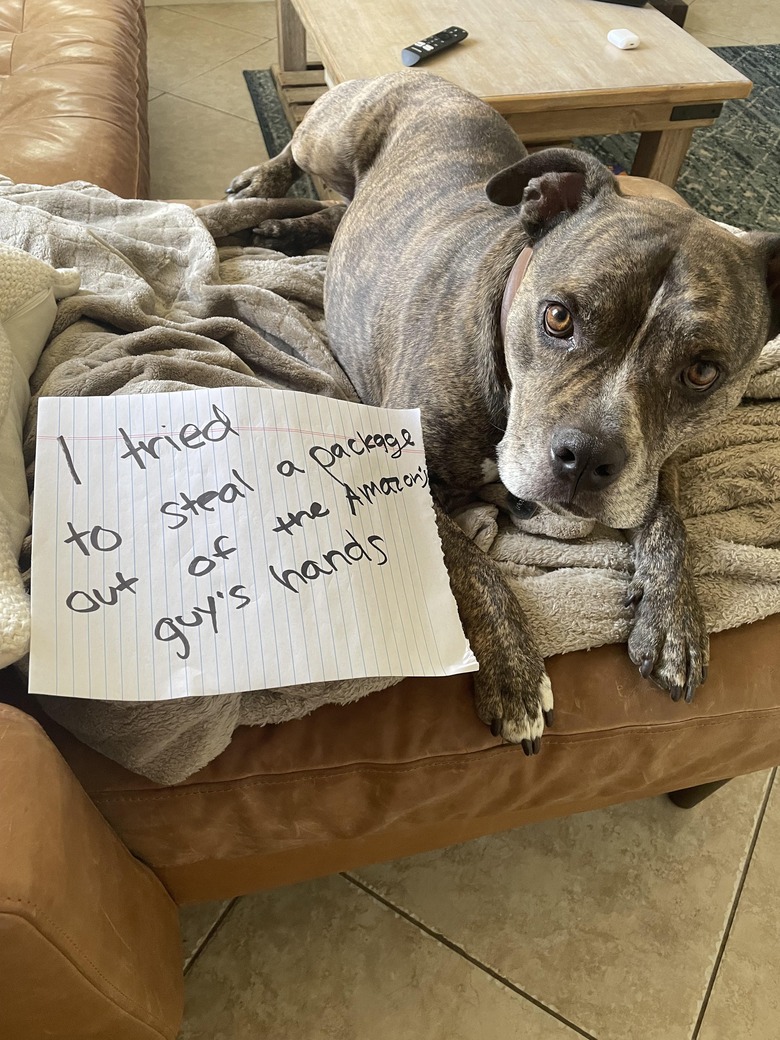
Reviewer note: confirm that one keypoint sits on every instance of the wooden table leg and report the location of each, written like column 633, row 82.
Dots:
column 291, row 37
column 661, row 153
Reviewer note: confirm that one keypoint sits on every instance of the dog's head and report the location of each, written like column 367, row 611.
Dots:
column 635, row 326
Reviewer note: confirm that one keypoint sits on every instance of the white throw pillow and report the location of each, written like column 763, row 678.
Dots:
column 29, row 289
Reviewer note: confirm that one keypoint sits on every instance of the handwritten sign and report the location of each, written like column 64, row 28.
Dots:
column 217, row 541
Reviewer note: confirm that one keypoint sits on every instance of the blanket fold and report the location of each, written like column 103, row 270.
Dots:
column 170, row 302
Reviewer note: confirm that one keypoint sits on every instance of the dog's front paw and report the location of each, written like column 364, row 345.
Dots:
column 669, row 641
column 512, row 693
column 248, row 185
column 270, row 180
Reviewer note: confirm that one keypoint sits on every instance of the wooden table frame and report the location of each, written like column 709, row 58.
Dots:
column 665, row 129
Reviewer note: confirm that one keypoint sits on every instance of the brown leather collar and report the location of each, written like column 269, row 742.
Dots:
column 513, row 284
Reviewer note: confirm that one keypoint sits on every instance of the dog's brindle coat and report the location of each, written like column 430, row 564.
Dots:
column 634, row 327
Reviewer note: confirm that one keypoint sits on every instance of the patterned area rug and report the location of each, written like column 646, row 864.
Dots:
column 732, row 172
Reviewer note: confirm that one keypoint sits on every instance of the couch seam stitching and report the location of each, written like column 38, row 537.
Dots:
column 451, row 761
column 138, row 1013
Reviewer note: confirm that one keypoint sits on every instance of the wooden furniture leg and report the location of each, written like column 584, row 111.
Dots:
column 291, row 36
column 690, row 796
column 661, row 153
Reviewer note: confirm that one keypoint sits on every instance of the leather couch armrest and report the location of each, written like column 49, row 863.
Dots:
column 89, row 938
column 630, row 185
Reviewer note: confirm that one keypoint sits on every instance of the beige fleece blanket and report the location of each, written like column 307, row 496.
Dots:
column 169, row 301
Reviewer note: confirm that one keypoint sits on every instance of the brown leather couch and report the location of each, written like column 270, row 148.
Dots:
column 73, row 93
column 94, row 859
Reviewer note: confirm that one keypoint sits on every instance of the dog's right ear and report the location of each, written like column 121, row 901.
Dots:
column 549, row 185
column 768, row 246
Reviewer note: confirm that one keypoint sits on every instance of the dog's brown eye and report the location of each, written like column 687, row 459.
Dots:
column 558, row 320
column 701, row 375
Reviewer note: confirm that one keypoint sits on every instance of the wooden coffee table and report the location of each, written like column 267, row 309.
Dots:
column 545, row 65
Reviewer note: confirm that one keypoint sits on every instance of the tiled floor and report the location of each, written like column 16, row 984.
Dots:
column 641, row 922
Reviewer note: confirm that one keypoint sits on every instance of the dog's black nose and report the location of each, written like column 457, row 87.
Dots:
column 585, row 459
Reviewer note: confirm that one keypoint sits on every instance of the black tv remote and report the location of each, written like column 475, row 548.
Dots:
column 432, row 45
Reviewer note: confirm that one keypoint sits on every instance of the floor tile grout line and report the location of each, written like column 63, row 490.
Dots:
column 221, row 111
column 213, row 68
column 456, row 948
column 693, row 29
column 213, row 21
column 209, row 935
column 234, row 57
column 728, row 39
column 734, row 907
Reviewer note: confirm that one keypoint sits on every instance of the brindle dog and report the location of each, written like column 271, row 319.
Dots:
column 634, row 327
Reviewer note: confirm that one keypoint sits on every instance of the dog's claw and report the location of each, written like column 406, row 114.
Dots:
column 248, row 183
column 238, row 184
column 676, row 693
column 646, row 667
column 527, row 747
column 549, row 716
column 537, row 745
column 495, row 727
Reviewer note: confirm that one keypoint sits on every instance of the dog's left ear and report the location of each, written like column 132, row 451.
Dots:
column 768, row 247
column 549, row 185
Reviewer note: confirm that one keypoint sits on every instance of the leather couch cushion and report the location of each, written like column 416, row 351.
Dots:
column 73, row 93
column 412, row 768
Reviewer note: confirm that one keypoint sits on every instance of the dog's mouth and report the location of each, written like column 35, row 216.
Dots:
column 619, row 512
column 524, row 509
column 521, row 507
column 570, row 509
column 622, row 505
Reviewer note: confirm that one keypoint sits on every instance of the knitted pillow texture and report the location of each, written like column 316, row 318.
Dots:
column 29, row 289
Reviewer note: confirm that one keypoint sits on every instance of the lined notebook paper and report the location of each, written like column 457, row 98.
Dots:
column 217, row 541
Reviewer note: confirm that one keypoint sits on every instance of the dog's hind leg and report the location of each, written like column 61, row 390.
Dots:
column 337, row 140
column 269, row 180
